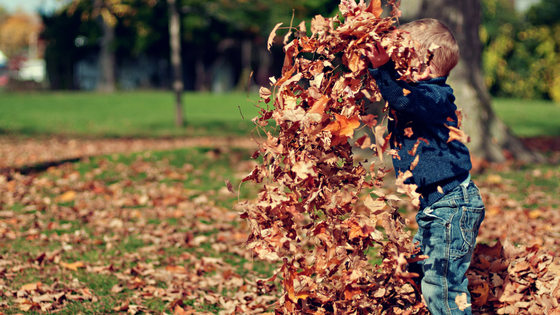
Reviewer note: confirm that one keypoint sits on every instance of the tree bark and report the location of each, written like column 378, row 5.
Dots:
column 176, row 63
column 490, row 138
column 265, row 61
column 107, row 58
column 244, row 79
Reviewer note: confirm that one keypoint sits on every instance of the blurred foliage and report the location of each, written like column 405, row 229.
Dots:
column 142, row 28
column 73, row 34
column 15, row 31
column 521, row 57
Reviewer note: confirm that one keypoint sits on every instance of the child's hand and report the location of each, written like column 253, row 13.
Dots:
column 377, row 55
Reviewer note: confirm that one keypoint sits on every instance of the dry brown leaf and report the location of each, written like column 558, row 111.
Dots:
column 272, row 35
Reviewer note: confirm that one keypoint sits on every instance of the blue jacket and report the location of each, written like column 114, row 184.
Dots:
column 426, row 110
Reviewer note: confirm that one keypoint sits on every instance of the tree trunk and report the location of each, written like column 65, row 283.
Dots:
column 176, row 64
column 200, row 73
column 107, row 58
column 265, row 61
column 490, row 138
column 244, row 79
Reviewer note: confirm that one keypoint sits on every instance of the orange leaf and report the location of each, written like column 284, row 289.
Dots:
column 457, row 134
column 347, row 125
column 72, row 266
column 180, row 311
column 482, row 292
column 415, row 163
column 67, row 196
column 405, row 92
column 354, row 61
column 320, row 105
column 375, row 8
column 349, row 292
column 30, row 286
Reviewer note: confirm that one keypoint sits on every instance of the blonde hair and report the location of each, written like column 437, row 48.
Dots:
column 431, row 31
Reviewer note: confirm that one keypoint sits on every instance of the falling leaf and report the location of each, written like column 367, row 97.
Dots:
column 229, row 186
column 408, row 132
column 415, row 162
column 375, row 8
column 272, row 36
column 457, row 134
column 304, row 169
column 369, row 120
column 264, row 93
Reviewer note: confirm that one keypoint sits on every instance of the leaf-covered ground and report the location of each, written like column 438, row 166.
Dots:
column 156, row 232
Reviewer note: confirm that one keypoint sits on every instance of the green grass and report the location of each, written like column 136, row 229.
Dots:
column 529, row 118
column 151, row 114
column 138, row 114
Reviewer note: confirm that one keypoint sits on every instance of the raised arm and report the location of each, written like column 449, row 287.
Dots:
column 429, row 101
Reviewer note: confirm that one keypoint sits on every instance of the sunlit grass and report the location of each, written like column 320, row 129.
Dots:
column 138, row 114
column 529, row 118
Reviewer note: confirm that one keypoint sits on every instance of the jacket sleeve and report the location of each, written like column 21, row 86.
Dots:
column 425, row 102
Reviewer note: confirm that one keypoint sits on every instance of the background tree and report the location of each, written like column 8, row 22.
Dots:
column 176, row 64
column 490, row 138
column 143, row 31
column 107, row 14
column 521, row 52
column 16, row 31
column 212, row 27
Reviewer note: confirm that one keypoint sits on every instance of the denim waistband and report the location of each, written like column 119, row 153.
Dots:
column 432, row 194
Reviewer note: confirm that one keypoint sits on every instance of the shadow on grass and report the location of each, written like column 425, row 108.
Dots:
column 34, row 169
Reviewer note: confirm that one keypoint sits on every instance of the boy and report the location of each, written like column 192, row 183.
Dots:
column 451, row 209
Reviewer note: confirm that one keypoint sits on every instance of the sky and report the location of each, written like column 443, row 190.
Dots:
column 50, row 5
column 31, row 5
column 520, row 5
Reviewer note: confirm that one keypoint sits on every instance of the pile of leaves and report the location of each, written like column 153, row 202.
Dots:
column 310, row 215
column 504, row 279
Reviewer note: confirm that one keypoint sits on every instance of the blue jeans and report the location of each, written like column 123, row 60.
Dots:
column 447, row 233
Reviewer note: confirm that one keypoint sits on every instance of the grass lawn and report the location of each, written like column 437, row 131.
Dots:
column 138, row 114
column 151, row 114
column 529, row 118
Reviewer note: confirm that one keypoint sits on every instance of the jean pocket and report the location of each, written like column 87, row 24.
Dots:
column 470, row 221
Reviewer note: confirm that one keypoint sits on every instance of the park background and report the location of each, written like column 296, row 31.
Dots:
column 114, row 201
